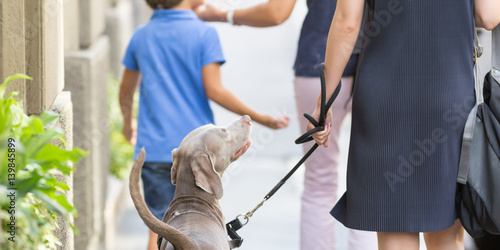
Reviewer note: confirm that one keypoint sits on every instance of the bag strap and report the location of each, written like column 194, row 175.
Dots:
column 477, row 45
column 463, row 169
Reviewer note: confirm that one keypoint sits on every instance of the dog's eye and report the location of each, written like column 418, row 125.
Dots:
column 224, row 131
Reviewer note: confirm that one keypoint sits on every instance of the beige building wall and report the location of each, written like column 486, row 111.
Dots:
column 64, row 46
column 12, row 45
column 32, row 43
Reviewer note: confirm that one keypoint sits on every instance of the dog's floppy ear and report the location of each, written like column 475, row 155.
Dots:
column 205, row 175
column 175, row 164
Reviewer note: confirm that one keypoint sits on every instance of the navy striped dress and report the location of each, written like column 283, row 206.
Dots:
column 413, row 93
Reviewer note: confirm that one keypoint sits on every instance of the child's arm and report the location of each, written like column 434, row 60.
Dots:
column 130, row 81
column 270, row 13
column 225, row 98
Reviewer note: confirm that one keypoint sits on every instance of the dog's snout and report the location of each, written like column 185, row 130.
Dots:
column 246, row 119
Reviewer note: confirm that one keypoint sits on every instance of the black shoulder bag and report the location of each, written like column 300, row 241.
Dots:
column 478, row 190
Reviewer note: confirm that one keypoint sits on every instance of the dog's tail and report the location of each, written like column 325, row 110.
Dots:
column 179, row 240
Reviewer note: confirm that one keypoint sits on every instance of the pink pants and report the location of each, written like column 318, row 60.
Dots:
column 320, row 181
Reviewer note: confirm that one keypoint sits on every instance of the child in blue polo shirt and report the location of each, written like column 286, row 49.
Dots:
column 176, row 59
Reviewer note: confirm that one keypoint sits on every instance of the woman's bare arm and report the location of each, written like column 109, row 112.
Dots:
column 342, row 38
column 271, row 13
column 487, row 13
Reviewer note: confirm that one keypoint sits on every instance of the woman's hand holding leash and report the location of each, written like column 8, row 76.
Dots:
column 322, row 114
column 321, row 137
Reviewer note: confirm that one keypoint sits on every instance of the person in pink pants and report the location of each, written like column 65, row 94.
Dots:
column 321, row 175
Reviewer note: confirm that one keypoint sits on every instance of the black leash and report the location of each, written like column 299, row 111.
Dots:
column 236, row 224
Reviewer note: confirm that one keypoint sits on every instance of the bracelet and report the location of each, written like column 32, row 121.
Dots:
column 229, row 16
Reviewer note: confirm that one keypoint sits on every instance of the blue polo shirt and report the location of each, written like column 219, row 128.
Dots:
column 170, row 51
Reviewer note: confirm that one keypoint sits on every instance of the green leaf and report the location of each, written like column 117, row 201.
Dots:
column 27, row 185
column 31, row 168
column 40, row 141
column 61, row 186
column 55, row 200
column 53, row 153
column 33, row 126
column 9, row 79
column 61, row 199
column 48, row 117
column 28, row 213
column 17, row 114
column 75, row 229
column 58, row 185
column 52, row 204
column 12, row 94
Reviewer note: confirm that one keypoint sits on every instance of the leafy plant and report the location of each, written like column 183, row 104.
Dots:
column 30, row 165
column 121, row 152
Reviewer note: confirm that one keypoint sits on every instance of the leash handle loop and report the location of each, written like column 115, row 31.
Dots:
column 319, row 125
column 323, row 107
column 311, row 119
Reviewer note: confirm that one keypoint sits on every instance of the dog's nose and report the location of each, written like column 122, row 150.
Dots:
column 246, row 119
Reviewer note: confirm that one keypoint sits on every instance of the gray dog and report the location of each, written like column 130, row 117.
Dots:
column 194, row 219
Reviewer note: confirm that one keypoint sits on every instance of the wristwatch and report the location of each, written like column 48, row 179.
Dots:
column 229, row 16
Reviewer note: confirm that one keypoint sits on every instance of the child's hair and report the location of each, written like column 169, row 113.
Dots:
column 162, row 4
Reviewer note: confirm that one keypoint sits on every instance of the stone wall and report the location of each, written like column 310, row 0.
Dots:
column 63, row 105
column 32, row 43
column 69, row 48
column 86, row 76
column 12, row 45
column 44, row 53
